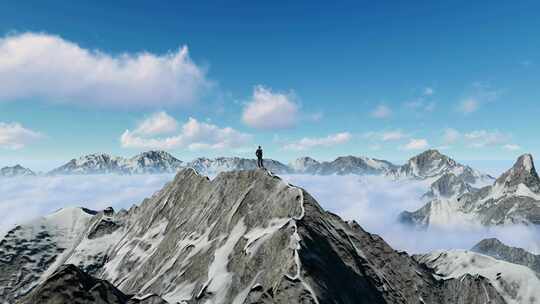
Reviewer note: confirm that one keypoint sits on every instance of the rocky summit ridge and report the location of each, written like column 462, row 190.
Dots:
column 243, row 237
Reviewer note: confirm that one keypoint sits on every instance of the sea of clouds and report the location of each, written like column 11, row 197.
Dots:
column 374, row 202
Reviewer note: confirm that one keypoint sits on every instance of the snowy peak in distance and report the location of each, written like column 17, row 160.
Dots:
column 153, row 162
column 343, row 165
column 90, row 164
column 303, row 164
column 514, row 198
column 16, row 170
column 433, row 164
column 102, row 163
column 523, row 172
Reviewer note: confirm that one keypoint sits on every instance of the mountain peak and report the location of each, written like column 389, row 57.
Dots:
column 523, row 172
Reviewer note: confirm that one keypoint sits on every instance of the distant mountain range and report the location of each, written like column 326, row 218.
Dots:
column 430, row 164
column 513, row 198
column 16, row 170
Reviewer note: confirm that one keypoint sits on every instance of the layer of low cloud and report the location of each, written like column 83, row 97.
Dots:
column 374, row 202
column 25, row 198
column 416, row 144
column 313, row 142
column 271, row 110
column 14, row 136
column 381, row 111
column 193, row 135
column 47, row 67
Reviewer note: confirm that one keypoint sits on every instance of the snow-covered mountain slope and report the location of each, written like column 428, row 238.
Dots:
column 343, row 165
column 152, row 162
column 92, row 164
column 160, row 162
column 16, row 170
column 243, row 237
column 495, row 248
column 304, row 165
column 516, row 283
column 432, row 165
column 146, row 162
column 514, row 198
column 223, row 164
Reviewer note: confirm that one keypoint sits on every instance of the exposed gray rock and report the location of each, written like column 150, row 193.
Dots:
column 69, row 284
column 243, row 237
column 495, row 248
column 16, row 170
column 523, row 172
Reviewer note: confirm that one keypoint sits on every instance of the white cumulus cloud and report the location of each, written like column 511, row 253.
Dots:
column 381, row 111
column 194, row 135
column 37, row 65
column 14, row 136
column 270, row 110
column 416, row 144
column 157, row 123
column 330, row 140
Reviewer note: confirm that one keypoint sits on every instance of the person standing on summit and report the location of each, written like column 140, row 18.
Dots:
column 259, row 154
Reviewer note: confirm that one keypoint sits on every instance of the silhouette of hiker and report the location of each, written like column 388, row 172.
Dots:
column 259, row 154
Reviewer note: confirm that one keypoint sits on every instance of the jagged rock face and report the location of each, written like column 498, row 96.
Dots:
column 224, row 164
column 244, row 237
column 523, row 172
column 69, row 284
column 431, row 164
column 517, row 284
column 16, row 170
column 344, row 165
column 495, row 248
column 510, row 200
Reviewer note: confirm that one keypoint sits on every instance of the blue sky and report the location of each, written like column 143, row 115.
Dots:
column 385, row 79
